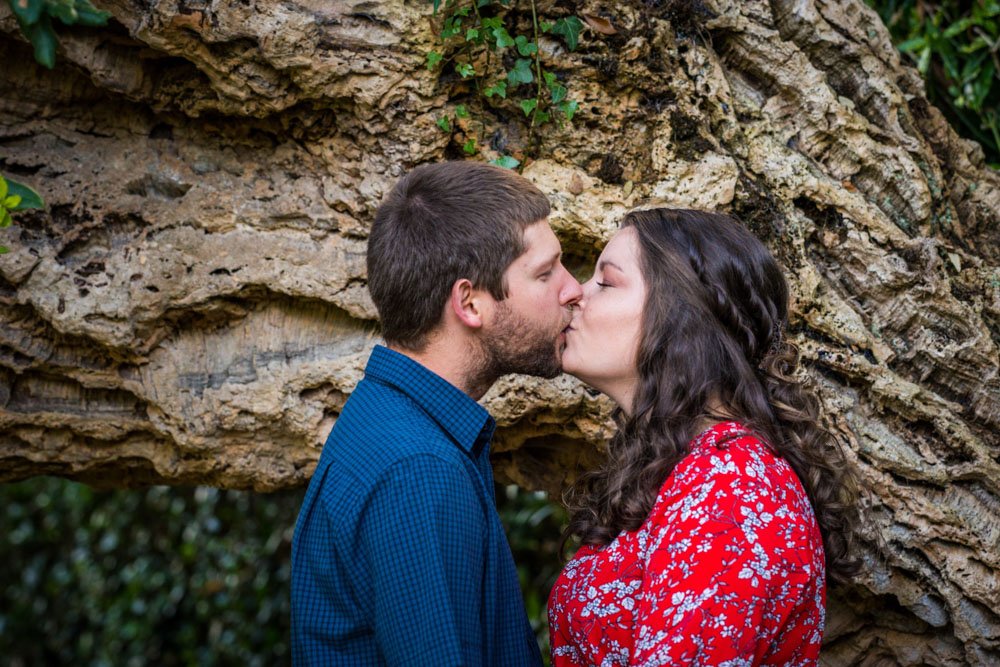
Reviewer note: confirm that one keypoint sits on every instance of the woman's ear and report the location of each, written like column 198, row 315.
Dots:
column 466, row 303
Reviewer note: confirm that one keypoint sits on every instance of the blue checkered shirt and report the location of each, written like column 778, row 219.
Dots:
column 399, row 557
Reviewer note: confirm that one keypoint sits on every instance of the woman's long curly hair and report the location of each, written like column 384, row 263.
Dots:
column 712, row 335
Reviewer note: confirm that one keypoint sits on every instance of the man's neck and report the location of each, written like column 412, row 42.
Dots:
column 452, row 362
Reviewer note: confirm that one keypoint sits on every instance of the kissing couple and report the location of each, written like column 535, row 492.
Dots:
column 707, row 536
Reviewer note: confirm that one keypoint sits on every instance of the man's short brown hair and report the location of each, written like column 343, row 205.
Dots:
column 441, row 223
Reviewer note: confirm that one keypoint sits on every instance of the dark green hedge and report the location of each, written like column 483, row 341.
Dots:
column 179, row 576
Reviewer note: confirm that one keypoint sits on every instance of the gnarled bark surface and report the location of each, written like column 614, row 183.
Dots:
column 191, row 306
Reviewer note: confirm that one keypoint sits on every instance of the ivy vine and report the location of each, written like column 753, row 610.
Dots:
column 505, row 68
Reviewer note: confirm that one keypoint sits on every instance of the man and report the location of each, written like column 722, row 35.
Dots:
column 399, row 557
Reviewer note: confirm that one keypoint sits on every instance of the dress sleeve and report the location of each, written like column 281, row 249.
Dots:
column 720, row 545
column 423, row 531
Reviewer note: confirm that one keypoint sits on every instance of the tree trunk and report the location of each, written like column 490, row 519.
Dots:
column 191, row 305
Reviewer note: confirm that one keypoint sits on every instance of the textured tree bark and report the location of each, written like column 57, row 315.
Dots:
column 191, row 306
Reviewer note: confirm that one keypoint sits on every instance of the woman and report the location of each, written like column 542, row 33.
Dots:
column 708, row 535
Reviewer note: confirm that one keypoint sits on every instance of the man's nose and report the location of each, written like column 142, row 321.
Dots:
column 571, row 292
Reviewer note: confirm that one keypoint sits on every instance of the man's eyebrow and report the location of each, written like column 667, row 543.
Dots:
column 548, row 261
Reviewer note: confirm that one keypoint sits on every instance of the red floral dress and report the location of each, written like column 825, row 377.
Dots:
column 727, row 570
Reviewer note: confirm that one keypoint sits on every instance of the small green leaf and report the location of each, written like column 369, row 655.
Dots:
column 433, row 58
column 913, row 44
column 472, row 34
column 545, row 26
column 465, row 70
column 3, row 187
column 437, row 5
column 469, row 147
column 492, row 23
column 521, row 73
column 64, row 11
column 43, row 38
column 5, row 218
column 569, row 28
column 89, row 15
column 527, row 106
column 499, row 89
column 558, row 93
column 506, row 161
column 549, row 77
column 27, row 11
column 29, row 198
column 4, row 250
column 541, row 118
column 569, row 108
column 503, row 38
column 464, row 11
column 524, row 47
column 11, row 202
column 444, row 123
column 925, row 60
column 461, row 111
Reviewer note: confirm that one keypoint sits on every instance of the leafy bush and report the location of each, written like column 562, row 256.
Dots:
column 182, row 576
column 955, row 46
column 161, row 576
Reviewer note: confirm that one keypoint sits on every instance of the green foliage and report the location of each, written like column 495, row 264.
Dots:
column 505, row 67
column 534, row 528
column 35, row 18
column 184, row 576
column 955, row 46
column 160, row 576
column 15, row 196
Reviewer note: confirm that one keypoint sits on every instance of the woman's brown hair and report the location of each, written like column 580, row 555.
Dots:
column 713, row 335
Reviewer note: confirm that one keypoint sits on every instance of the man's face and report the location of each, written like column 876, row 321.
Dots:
column 526, row 335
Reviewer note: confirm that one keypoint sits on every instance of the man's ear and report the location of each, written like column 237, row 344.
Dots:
column 467, row 302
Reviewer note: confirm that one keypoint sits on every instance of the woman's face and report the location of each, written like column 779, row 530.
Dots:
column 602, row 341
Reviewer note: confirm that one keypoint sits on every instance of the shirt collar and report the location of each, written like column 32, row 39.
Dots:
column 467, row 422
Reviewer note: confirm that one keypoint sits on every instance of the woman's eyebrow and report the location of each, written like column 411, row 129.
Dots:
column 605, row 262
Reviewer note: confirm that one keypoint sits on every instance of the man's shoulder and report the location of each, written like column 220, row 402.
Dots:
column 380, row 426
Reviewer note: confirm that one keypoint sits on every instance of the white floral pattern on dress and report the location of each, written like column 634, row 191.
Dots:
column 727, row 570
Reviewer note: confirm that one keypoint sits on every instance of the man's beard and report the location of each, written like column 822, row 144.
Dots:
column 515, row 346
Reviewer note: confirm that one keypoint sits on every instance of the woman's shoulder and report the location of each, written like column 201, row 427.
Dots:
column 725, row 459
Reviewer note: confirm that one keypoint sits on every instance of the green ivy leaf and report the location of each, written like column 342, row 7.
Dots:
column 524, row 47
column 527, row 106
column 545, row 26
column 503, row 38
column 541, row 118
column 569, row 28
column 444, row 123
column 469, row 147
column 5, row 219
column 521, row 73
column 472, row 35
column 506, row 161
column 461, row 111
column 433, row 58
column 465, row 70
column 29, row 198
column 569, row 108
column 437, row 5
column 558, row 93
column 499, row 89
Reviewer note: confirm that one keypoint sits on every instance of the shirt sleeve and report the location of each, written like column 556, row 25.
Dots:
column 717, row 551
column 423, row 532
